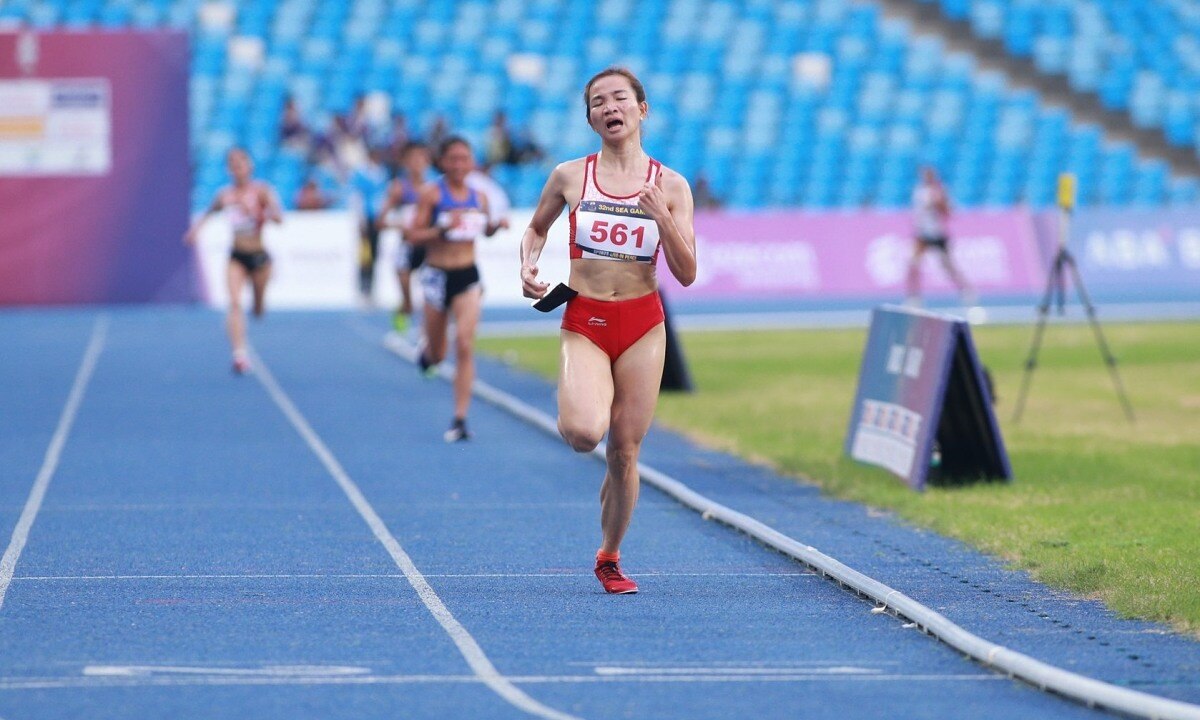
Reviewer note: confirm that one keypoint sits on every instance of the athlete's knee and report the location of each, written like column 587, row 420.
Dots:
column 621, row 456
column 464, row 345
column 581, row 436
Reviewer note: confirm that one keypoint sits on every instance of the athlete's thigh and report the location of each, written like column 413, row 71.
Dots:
column 466, row 309
column 947, row 259
column 235, row 277
column 637, row 375
column 585, row 383
column 436, row 320
column 261, row 276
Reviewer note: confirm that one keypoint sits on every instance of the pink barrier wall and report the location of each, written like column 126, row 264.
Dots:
column 800, row 254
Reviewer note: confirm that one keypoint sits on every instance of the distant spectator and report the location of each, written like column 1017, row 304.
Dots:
column 293, row 132
column 368, row 188
column 525, row 150
column 498, row 148
column 498, row 203
column 349, row 136
column 310, row 197
column 438, row 132
column 398, row 138
column 330, row 177
column 377, row 121
column 353, row 124
column 703, row 194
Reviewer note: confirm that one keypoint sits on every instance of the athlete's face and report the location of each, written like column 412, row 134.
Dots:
column 613, row 109
column 457, row 162
column 239, row 165
column 416, row 162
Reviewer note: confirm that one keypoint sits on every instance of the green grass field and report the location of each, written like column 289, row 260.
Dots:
column 1098, row 506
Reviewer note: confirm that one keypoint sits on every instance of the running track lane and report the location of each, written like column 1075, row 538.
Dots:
column 248, row 583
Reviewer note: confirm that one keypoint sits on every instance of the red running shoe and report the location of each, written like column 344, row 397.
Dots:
column 613, row 580
column 241, row 365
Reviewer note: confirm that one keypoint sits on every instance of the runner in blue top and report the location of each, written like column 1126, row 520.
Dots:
column 450, row 217
column 398, row 211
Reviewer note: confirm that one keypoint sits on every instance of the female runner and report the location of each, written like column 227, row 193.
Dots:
column 450, row 217
column 624, row 206
column 397, row 213
column 249, row 204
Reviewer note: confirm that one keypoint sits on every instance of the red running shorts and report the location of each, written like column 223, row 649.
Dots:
column 613, row 325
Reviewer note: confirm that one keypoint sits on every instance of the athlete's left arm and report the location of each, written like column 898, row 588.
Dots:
column 668, row 201
column 272, row 209
column 492, row 227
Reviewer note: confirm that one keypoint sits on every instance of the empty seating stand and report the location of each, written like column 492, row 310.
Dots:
column 817, row 103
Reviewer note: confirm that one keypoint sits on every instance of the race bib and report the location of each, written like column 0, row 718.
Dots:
column 615, row 231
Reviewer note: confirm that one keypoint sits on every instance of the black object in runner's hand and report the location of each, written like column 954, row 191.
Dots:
column 558, row 295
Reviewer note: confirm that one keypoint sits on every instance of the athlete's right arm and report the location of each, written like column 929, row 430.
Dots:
column 421, row 230
column 192, row 233
column 549, row 207
column 391, row 200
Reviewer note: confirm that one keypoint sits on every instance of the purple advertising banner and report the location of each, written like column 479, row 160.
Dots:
column 94, row 169
column 1145, row 254
column 859, row 254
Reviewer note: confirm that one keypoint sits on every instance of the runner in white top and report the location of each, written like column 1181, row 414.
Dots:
column 248, row 204
column 931, row 213
column 624, row 207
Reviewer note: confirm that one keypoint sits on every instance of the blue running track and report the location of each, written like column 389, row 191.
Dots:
column 195, row 556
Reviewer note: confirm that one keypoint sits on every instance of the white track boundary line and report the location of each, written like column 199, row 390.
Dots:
column 20, row 535
column 1044, row 676
column 376, row 576
column 215, row 679
column 470, row 649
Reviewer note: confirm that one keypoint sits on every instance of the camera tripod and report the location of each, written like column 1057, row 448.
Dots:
column 1056, row 289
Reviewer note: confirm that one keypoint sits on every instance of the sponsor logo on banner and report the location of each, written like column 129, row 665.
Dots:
column 887, row 259
column 887, row 436
column 55, row 127
column 1138, row 254
column 768, row 265
column 1124, row 249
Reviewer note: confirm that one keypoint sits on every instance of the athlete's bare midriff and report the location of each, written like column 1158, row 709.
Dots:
column 248, row 243
column 447, row 255
column 604, row 280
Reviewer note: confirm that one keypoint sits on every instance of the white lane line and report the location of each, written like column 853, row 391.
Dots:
column 732, row 671
column 309, row 507
column 8, row 563
column 270, row 671
column 470, row 649
column 175, row 680
column 795, row 666
column 353, row 576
